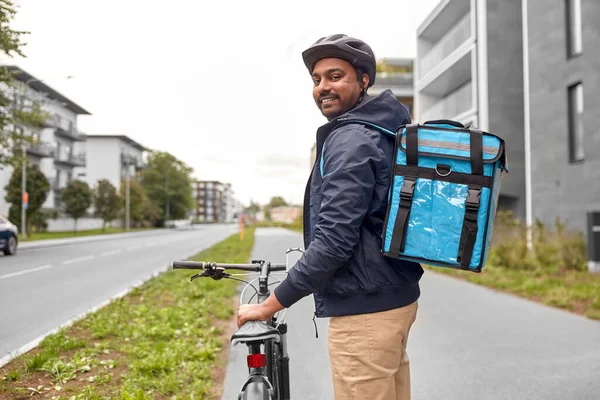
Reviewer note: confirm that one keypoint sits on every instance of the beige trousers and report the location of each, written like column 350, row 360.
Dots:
column 368, row 354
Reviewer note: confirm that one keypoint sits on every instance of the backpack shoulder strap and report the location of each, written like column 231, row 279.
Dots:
column 355, row 121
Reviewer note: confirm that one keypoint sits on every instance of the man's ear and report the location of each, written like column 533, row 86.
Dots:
column 365, row 81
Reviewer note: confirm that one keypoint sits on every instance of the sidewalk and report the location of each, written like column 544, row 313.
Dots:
column 37, row 244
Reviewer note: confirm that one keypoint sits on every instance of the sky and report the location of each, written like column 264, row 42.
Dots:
column 219, row 84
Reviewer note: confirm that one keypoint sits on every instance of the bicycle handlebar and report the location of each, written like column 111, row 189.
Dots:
column 242, row 267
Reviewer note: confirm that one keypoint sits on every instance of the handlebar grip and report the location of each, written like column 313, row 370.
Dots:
column 278, row 267
column 189, row 265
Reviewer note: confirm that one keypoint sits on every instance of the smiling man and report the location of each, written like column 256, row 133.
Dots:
column 371, row 300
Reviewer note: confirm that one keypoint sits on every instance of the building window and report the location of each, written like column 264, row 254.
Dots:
column 574, row 39
column 576, row 142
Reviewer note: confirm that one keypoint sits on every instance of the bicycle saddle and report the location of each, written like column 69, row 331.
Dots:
column 254, row 331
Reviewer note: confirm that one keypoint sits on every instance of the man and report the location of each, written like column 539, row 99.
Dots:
column 371, row 300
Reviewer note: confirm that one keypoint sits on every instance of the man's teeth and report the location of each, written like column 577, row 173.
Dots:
column 327, row 100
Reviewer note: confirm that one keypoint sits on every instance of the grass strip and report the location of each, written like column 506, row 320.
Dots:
column 576, row 291
column 71, row 234
column 161, row 341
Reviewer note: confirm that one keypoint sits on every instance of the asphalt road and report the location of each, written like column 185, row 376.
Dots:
column 468, row 343
column 43, row 288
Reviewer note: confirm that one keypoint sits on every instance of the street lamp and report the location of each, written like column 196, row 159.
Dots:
column 24, row 196
column 127, row 200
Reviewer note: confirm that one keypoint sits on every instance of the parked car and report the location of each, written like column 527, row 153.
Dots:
column 8, row 236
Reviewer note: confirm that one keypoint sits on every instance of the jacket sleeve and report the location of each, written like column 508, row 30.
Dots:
column 349, row 167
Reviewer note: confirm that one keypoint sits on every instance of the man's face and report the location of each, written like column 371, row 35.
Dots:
column 336, row 88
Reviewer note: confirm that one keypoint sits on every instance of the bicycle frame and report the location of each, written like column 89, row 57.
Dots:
column 267, row 375
column 269, row 370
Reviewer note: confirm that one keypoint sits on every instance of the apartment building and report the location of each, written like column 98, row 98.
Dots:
column 214, row 201
column 564, row 106
column 469, row 68
column 110, row 157
column 58, row 148
column 395, row 74
column 479, row 62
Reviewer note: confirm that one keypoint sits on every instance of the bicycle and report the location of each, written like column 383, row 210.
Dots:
column 268, row 359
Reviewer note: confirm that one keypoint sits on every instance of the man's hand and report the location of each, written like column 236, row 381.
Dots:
column 258, row 312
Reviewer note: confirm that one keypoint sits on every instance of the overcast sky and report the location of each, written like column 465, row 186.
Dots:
column 219, row 84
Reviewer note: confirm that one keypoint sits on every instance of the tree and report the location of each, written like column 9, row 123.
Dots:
column 139, row 203
column 77, row 198
column 37, row 189
column 106, row 202
column 15, row 113
column 276, row 201
column 168, row 183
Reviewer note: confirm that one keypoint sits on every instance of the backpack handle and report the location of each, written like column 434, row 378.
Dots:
column 445, row 121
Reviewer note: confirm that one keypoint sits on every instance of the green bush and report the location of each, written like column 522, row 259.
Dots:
column 555, row 249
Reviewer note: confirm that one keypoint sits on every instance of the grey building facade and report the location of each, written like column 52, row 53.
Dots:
column 469, row 68
column 480, row 62
column 564, row 81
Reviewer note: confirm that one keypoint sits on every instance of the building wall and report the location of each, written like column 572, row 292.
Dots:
column 285, row 214
column 103, row 161
column 5, row 174
column 560, row 188
column 67, row 120
column 505, row 94
column 471, row 69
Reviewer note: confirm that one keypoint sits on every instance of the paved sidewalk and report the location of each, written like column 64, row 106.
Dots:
column 468, row 343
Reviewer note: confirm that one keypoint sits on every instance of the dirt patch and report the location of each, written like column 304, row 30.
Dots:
column 42, row 385
column 220, row 370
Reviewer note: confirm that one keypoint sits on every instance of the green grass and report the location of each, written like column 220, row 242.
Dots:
column 296, row 226
column 577, row 291
column 161, row 341
column 71, row 234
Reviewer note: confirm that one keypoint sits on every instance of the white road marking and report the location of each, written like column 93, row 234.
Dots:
column 26, row 271
column 110, row 253
column 74, row 260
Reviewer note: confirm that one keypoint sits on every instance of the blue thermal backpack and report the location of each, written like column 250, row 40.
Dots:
column 443, row 194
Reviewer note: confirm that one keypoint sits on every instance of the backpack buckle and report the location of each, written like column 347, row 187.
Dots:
column 472, row 203
column 408, row 187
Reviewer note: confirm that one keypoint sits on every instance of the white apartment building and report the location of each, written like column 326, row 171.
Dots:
column 59, row 147
column 469, row 68
column 109, row 157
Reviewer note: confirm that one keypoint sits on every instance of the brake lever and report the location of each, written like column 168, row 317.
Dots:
column 215, row 273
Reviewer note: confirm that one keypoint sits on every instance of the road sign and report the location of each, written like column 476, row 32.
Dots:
column 25, row 200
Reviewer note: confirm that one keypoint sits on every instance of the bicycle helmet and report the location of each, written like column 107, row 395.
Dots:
column 353, row 50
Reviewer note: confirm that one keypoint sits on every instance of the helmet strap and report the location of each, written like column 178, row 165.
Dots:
column 359, row 75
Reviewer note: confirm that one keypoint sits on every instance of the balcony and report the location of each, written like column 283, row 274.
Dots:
column 41, row 149
column 447, row 44
column 55, row 185
column 50, row 123
column 454, row 104
column 73, row 160
column 71, row 134
column 128, row 159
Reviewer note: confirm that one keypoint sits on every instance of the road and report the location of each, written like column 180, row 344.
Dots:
column 43, row 288
column 468, row 343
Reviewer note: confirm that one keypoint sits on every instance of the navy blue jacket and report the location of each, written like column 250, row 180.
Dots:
column 344, row 210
